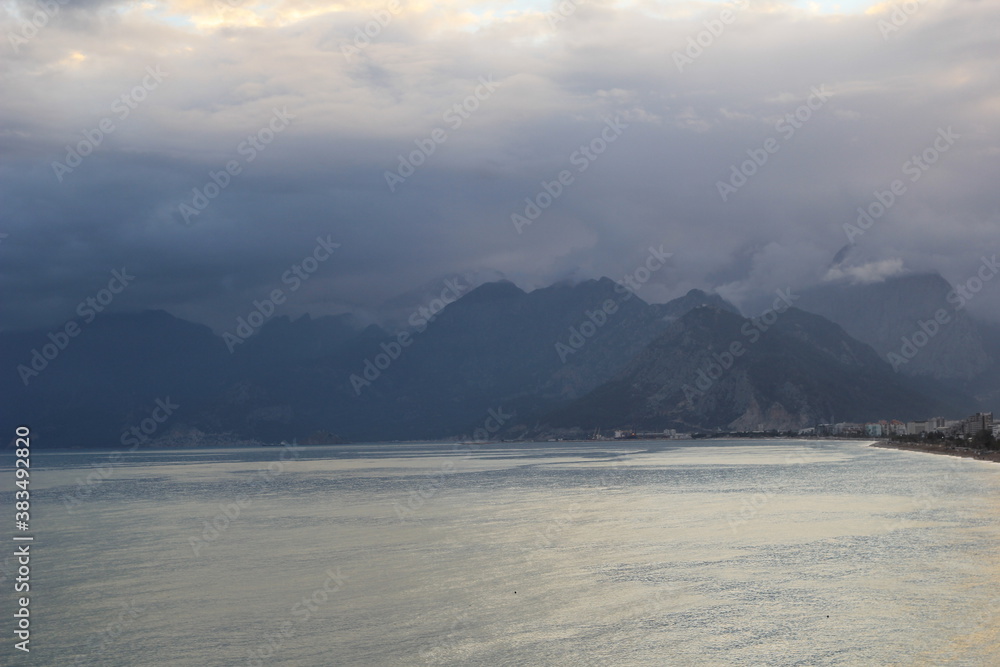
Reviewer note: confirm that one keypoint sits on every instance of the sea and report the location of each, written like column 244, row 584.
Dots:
column 703, row 552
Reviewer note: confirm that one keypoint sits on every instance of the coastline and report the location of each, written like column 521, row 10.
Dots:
column 965, row 452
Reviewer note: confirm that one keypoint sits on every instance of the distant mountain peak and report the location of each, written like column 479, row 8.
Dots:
column 695, row 298
column 712, row 368
column 500, row 289
column 884, row 314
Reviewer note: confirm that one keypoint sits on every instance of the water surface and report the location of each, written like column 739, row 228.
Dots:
column 636, row 553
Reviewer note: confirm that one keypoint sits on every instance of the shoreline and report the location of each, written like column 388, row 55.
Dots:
column 965, row 452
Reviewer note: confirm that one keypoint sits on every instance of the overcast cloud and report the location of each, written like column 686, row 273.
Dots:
column 222, row 73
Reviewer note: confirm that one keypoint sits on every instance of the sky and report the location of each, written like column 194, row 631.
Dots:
column 372, row 149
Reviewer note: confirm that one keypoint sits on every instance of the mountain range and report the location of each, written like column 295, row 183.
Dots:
column 501, row 362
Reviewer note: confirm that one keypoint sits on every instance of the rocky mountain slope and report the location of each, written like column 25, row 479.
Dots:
column 715, row 369
column 496, row 347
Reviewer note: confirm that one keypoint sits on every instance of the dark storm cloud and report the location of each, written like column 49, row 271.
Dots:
column 350, row 118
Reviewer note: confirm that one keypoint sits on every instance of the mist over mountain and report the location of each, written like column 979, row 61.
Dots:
column 715, row 369
column 677, row 308
column 496, row 357
column 921, row 325
column 888, row 314
column 492, row 347
column 409, row 309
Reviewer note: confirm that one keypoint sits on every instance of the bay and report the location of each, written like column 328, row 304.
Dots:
column 713, row 552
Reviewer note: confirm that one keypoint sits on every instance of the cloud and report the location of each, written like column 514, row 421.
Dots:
column 873, row 272
column 356, row 114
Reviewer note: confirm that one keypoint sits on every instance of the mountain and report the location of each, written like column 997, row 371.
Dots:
column 91, row 387
column 713, row 369
column 693, row 299
column 986, row 386
column 493, row 347
column 282, row 341
column 403, row 311
column 887, row 315
column 524, row 351
column 591, row 353
column 500, row 346
column 287, row 380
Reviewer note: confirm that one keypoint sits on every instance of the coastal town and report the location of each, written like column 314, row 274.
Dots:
column 976, row 436
column 934, row 428
column 975, row 432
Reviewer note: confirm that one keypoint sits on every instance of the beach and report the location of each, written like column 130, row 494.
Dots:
column 935, row 448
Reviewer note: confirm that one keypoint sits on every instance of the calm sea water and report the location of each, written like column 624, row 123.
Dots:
column 639, row 553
